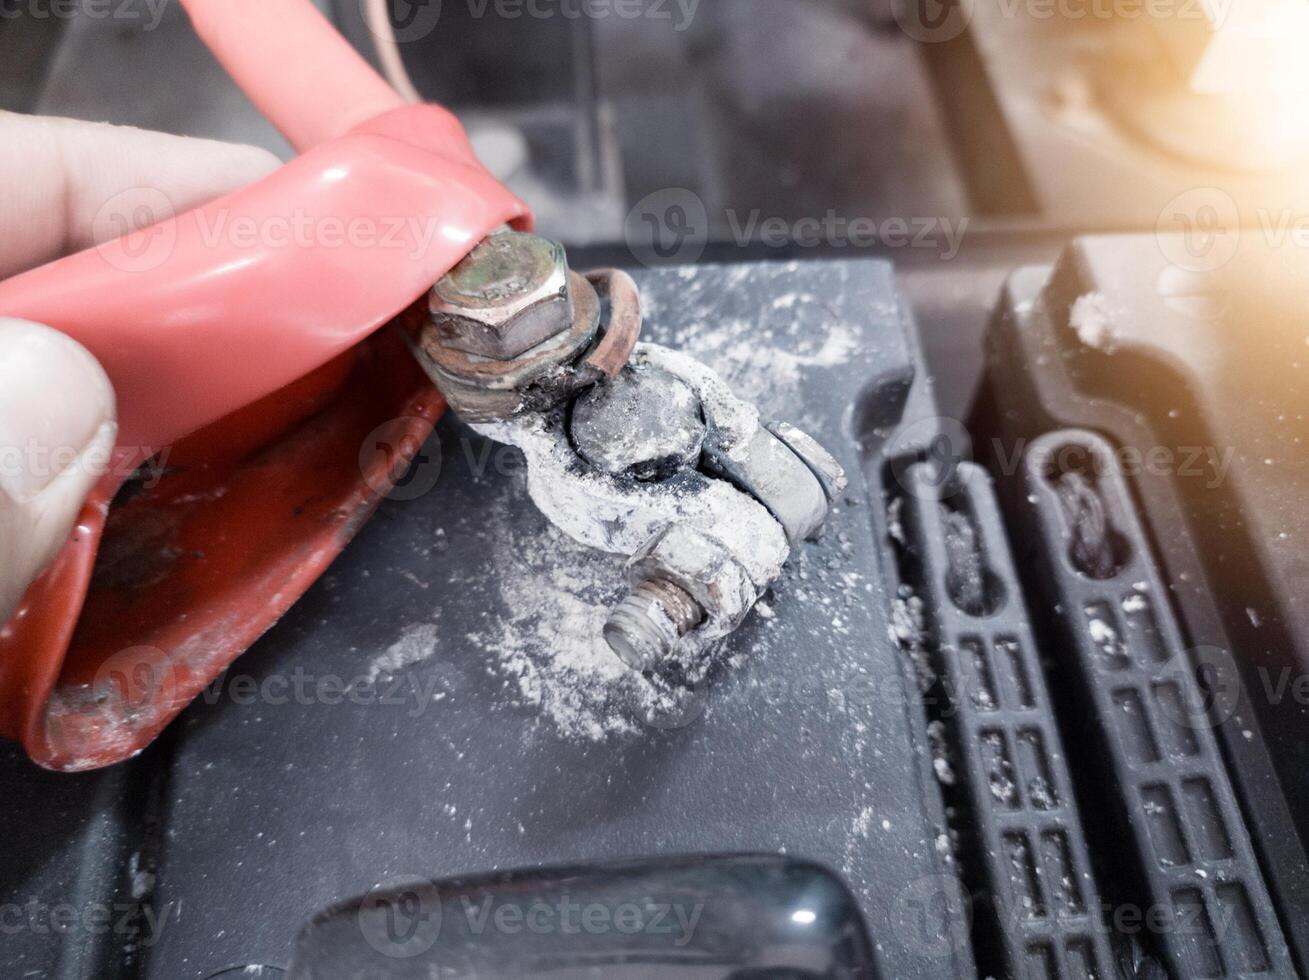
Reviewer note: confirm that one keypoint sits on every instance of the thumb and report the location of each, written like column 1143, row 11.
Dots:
column 60, row 173
column 57, row 432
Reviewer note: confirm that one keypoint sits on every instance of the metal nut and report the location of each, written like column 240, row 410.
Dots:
column 508, row 295
column 486, row 390
column 702, row 567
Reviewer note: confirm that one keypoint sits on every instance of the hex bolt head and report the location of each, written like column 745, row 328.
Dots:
column 647, row 626
column 508, row 295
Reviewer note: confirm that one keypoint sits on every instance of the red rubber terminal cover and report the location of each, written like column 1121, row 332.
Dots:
column 250, row 355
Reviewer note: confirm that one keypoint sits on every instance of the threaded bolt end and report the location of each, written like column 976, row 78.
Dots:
column 647, row 626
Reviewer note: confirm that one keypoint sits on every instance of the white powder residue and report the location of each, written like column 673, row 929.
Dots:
column 1103, row 634
column 551, row 649
column 1094, row 321
column 544, row 634
column 760, row 373
column 940, row 749
column 803, row 334
column 416, row 644
column 142, row 877
column 1135, row 602
column 863, row 822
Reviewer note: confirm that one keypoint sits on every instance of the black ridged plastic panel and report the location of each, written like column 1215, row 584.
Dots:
column 1149, row 716
column 1008, row 757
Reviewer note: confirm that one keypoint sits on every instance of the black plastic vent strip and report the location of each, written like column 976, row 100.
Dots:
column 1008, row 749
column 1151, row 718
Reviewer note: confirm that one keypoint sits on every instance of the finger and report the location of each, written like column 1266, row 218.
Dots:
column 57, row 430
column 57, row 174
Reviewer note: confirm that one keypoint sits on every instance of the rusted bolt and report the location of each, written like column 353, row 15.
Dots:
column 647, row 626
column 508, row 295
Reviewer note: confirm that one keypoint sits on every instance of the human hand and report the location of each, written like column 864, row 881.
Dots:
column 57, row 409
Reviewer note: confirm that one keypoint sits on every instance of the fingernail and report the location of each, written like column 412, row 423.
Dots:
column 54, row 399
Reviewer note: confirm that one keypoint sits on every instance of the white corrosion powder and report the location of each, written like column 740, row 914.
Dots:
column 1094, row 321
column 416, row 644
column 557, row 595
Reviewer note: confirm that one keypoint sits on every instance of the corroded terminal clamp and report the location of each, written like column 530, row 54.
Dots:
column 653, row 458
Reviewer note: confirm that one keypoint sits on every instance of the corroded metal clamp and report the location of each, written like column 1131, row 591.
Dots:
column 652, row 458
